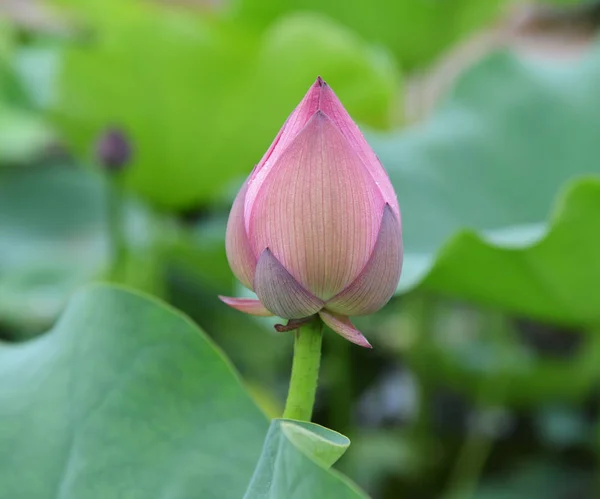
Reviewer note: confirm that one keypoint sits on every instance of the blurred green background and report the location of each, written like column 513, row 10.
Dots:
column 484, row 380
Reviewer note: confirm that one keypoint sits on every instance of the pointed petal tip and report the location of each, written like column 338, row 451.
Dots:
column 246, row 305
column 320, row 114
column 319, row 117
column 365, row 343
column 341, row 325
column 320, row 82
column 390, row 210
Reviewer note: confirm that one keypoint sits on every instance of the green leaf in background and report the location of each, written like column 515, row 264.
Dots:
column 23, row 134
column 125, row 397
column 10, row 87
column 299, row 46
column 305, row 448
column 478, row 182
column 415, row 30
column 6, row 38
column 53, row 239
column 202, row 98
column 551, row 278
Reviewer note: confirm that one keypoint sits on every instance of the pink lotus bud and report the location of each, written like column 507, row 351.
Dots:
column 316, row 227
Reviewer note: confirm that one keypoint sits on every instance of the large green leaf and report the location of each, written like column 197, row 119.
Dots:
column 202, row 99
column 487, row 216
column 23, row 134
column 305, row 448
column 124, row 398
column 127, row 398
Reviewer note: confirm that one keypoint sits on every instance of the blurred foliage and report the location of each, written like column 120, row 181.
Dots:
column 22, row 133
column 538, row 480
column 497, row 360
column 510, row 141
column 484, row 378
column 54, row 239
column 415, row 30
column 204, row 117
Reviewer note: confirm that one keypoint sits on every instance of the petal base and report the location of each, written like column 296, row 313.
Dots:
column 280, row 292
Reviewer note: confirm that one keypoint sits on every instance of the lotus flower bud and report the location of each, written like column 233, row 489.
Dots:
column 113, row 149
column 316, row 227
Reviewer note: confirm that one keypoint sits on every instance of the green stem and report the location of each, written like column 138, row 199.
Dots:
column 305, row 371
column 116, row 232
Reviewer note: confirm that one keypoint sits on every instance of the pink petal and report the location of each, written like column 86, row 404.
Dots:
column 293, row 125
column 318, row 211
column 377, row 282
column 342, row 326
column 332, row 107
column 280, row 292
column 320, row 97
column 246, row 305
column 239, row 252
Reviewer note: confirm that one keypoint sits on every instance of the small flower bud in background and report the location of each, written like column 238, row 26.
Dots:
column 316, row 227
column 113, row 149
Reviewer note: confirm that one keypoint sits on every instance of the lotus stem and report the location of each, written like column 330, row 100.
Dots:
column 305, row 371
column 116, row 232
